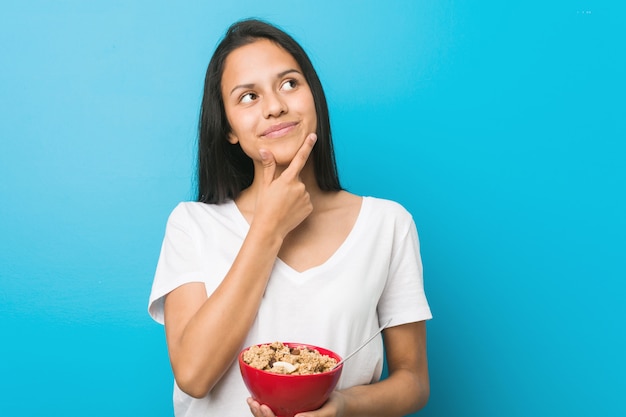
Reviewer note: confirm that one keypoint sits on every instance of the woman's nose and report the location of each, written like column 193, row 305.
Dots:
column 274, row 105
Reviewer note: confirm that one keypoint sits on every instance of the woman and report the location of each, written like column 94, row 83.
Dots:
column 275, row 250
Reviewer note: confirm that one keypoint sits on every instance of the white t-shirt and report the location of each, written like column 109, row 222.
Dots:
column 374, row 276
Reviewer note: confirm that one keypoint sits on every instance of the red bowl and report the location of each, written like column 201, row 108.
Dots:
column 288, row 395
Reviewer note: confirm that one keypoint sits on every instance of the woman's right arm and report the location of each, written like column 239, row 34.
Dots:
column 204, row 333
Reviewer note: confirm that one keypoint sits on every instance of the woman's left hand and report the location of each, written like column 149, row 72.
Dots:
column 331, row 408
column 404, row 391
column 259, row 410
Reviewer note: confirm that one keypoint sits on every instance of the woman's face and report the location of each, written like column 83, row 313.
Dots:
column 267, row 100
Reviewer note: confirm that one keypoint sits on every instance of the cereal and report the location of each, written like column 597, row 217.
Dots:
column 281, row 359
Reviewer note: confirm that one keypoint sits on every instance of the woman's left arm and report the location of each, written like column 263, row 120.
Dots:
column 403, row 392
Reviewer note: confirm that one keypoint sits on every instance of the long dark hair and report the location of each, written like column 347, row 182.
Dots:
column 224, row 170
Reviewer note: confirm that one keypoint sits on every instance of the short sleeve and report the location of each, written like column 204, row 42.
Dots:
column 179, row 261
column 403, row 299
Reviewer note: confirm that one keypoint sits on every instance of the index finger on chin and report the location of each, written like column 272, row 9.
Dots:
column 299, row 160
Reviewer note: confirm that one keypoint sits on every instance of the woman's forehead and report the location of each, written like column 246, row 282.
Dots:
column 261, row 58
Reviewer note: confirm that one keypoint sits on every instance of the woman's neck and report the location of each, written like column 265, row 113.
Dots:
column 246, row 201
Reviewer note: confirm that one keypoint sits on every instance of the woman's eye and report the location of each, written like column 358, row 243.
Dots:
column 248, row 98
column 289, row 85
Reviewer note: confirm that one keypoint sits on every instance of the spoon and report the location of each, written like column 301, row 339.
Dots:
column 363, row 345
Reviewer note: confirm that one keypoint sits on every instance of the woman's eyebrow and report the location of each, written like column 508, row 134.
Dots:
column 279, row 75
column 289, row 71
column 244, row 86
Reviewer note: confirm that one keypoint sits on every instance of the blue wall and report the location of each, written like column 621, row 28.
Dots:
column 499, row 125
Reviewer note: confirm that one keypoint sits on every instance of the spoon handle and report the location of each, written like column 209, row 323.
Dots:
column 363, row 345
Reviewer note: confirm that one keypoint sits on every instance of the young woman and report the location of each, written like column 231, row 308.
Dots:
column 275, row 250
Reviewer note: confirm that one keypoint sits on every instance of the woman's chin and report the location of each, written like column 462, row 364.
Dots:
column 283, row 157
column 284, row 151
column 283, row 162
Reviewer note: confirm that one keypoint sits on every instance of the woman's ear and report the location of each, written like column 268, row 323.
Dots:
column 232, row 139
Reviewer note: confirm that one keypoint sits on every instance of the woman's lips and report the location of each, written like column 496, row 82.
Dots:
column 279, row 130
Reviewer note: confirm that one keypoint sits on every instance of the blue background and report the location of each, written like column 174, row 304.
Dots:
column 499, row 125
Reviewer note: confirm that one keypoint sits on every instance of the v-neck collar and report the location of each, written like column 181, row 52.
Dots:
column 284, row 268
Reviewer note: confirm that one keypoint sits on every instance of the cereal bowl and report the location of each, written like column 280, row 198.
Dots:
column 289, row 393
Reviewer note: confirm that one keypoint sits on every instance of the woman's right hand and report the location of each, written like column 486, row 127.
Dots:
column 205, row 332
column 283, row 201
